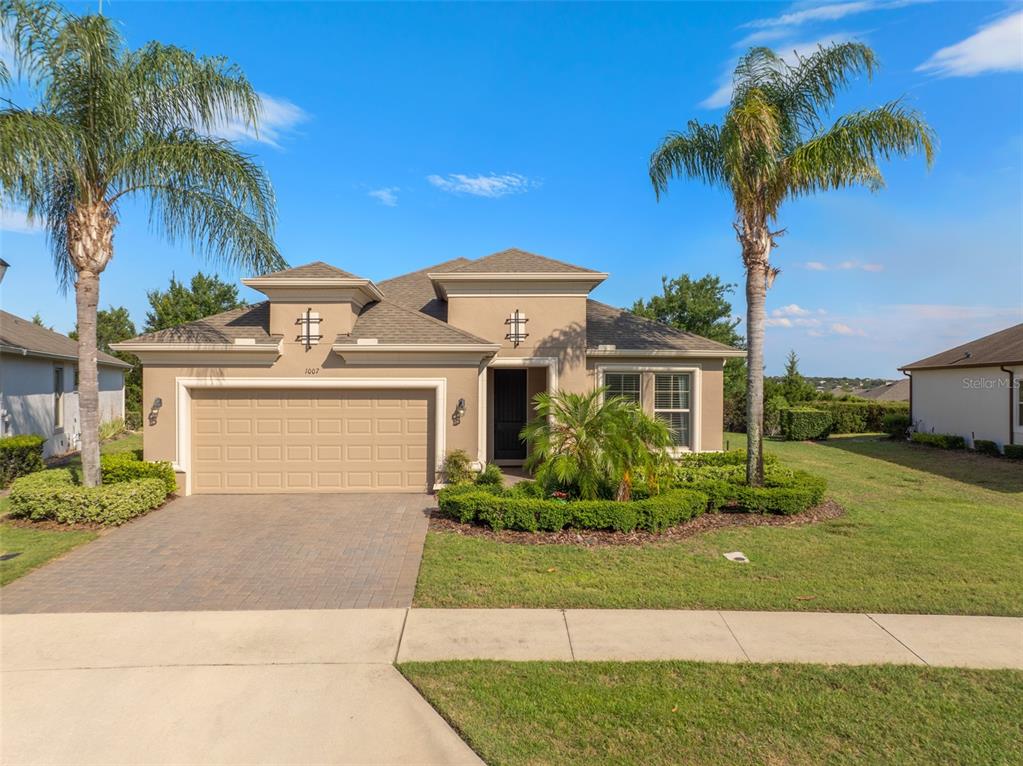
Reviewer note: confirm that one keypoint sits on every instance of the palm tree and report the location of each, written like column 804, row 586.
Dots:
column 111, row 125
column 773, row 146
column 586, row 441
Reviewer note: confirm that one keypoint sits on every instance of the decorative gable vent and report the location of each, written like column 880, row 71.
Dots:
column 516, row 327
column 309, row 328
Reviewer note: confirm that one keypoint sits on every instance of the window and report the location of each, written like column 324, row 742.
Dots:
column 623, row 384
column 58, row 397
column 672, row 404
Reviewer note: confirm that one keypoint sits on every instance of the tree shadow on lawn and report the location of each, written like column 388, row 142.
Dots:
column 997, row 474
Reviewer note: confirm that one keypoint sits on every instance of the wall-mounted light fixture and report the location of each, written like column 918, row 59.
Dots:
column 516, row 327
column 456, row 416
column 154, row 411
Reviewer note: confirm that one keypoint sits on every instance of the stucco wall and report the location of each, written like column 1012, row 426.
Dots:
column 26, row 384
column 970, row 402
column 709, row 374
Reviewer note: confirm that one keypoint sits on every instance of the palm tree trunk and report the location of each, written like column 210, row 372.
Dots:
column 756, row 294
column 90, row 238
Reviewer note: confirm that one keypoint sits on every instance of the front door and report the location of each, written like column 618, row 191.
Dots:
column 510, row 408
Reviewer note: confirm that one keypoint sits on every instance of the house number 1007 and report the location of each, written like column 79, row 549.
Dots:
column 312, row 370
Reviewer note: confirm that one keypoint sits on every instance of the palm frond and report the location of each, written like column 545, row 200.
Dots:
column 693, row 154
column 33, row 147
column 809, row 87
column 32, row 28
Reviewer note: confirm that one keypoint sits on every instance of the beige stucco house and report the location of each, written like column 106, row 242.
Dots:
column 336, row 383
column 972, row 390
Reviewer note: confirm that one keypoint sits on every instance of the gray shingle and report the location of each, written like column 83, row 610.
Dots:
column 607, row 325
column 20, row 333
column 1002, row 347
column 514, row 260
column 415, row 290
column 389, row 322
column 314, row 270
column 246, row 322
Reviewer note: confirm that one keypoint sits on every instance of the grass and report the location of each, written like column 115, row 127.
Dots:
column 38, row 546
column 926, row 531
column 683, row 712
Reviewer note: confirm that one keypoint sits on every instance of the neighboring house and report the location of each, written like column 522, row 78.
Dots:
column 339, row 384
column 972, row 390
column 39, row 384
column 895, row 391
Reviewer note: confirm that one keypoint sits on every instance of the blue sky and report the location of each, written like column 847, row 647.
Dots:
column 401, row 135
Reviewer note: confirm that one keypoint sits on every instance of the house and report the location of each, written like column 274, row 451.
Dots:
column 39, row 384
column 972, row 390
column 336, row 383
column 893, row 391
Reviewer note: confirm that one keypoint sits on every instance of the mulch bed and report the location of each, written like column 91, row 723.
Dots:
column 590, row 538
column 51, row 526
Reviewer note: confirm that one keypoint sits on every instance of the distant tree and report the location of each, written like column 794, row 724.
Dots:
column 37, row 319
column 699, row 306
column 112, row 326
column 794, row 387
column 204, row 297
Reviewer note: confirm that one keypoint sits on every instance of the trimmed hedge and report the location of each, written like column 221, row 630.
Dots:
column 796, row 493
column 986, row 447
column 804, row 423
column 857, row 416
column 55, row 496
column 508, row 511
column 20, row 455
column 896, row 424
column 1013, row 451
column 941, row 441
column 124, row 466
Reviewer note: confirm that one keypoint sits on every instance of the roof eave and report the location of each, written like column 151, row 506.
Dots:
column 592, row 278
column 22, row 351
column 260, row 283
column 733, row 353
column 973, row 364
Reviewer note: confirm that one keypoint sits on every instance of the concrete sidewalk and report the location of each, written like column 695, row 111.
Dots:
column 303, row 686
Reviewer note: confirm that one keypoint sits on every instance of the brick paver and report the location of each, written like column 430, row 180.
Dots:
column 222, row 552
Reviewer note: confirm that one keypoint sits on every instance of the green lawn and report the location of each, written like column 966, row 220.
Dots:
column 926, row 531
column 652, row 714
column 37, row 546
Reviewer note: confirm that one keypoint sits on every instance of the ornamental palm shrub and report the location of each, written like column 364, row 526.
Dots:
column 773, row 146
column 112, row 125
column 587, row 442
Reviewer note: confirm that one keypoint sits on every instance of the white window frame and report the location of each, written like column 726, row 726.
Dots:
column 677, row 410
column 58, row 399
column 695, row 371
column 483, row 435
column 639, row 390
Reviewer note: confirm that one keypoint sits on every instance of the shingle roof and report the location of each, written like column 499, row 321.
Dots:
column 896, row 391
column 607, row 325
column 1002, row 347
column 246, row 322
column 415, row 289
column 17, row 334
column 314, row 270
column 514, row 260
column 388, row 322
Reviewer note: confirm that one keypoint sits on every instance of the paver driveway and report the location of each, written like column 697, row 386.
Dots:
column 225, row 552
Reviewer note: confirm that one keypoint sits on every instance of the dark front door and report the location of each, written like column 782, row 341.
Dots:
column 509, row 414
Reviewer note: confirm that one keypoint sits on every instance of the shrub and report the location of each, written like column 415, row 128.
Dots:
column 803, row 423
column 732, row 457
column 896, row 424
column 110, row 429
column 941, row 441
column 786, row 492
column 773, row 408
column 490, row 475
column 20, row 455
column 1013, row 451
column 124, row 466
column 457, row 467
column 856, row 416
column 531, row 514
column 54, row 496
column 985, row 447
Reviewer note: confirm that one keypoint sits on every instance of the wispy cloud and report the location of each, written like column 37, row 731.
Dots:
column 840, row 328
column 844, row 266
column 492, row 185
column 388, row 196
column 827, row 12
column 280, row 118
column 17, row 222
column 792, row 310
column 997, row 47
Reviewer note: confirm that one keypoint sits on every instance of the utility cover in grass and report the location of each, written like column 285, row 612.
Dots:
column 737, row 556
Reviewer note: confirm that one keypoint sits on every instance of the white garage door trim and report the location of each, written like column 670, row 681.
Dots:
column 183, row 399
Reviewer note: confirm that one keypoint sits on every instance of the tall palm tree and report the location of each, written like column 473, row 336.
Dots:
column 773, row 146
column 112, row 124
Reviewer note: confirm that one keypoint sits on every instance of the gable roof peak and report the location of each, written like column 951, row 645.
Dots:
column 516, row 261
column 312, row 270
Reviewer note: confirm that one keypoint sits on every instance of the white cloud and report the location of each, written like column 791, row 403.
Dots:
column 279, row 118
column 792, row 310
column 17, row 222
column 844, row 266
column 840, row 328
column 778, row 322
column 815, row 266
column 492, row 185
column 829, row 12
column 388, row 196
column 998, row 47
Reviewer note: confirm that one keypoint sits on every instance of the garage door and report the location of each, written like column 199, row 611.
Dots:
column 317, row 441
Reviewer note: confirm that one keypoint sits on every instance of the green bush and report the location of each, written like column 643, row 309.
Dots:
column 457, row 467
column 732, row 457
column 20, row 455
column 896, row 424
column 941, row 441
column 124, row 466
column 857, row 416
column 55, row 496
column 490, row 475
column 110, row 429
column 530, row 514
column 1013, row 451
column 985, row 447
column 803, row 423
column 793, row 492
column 773, row 408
